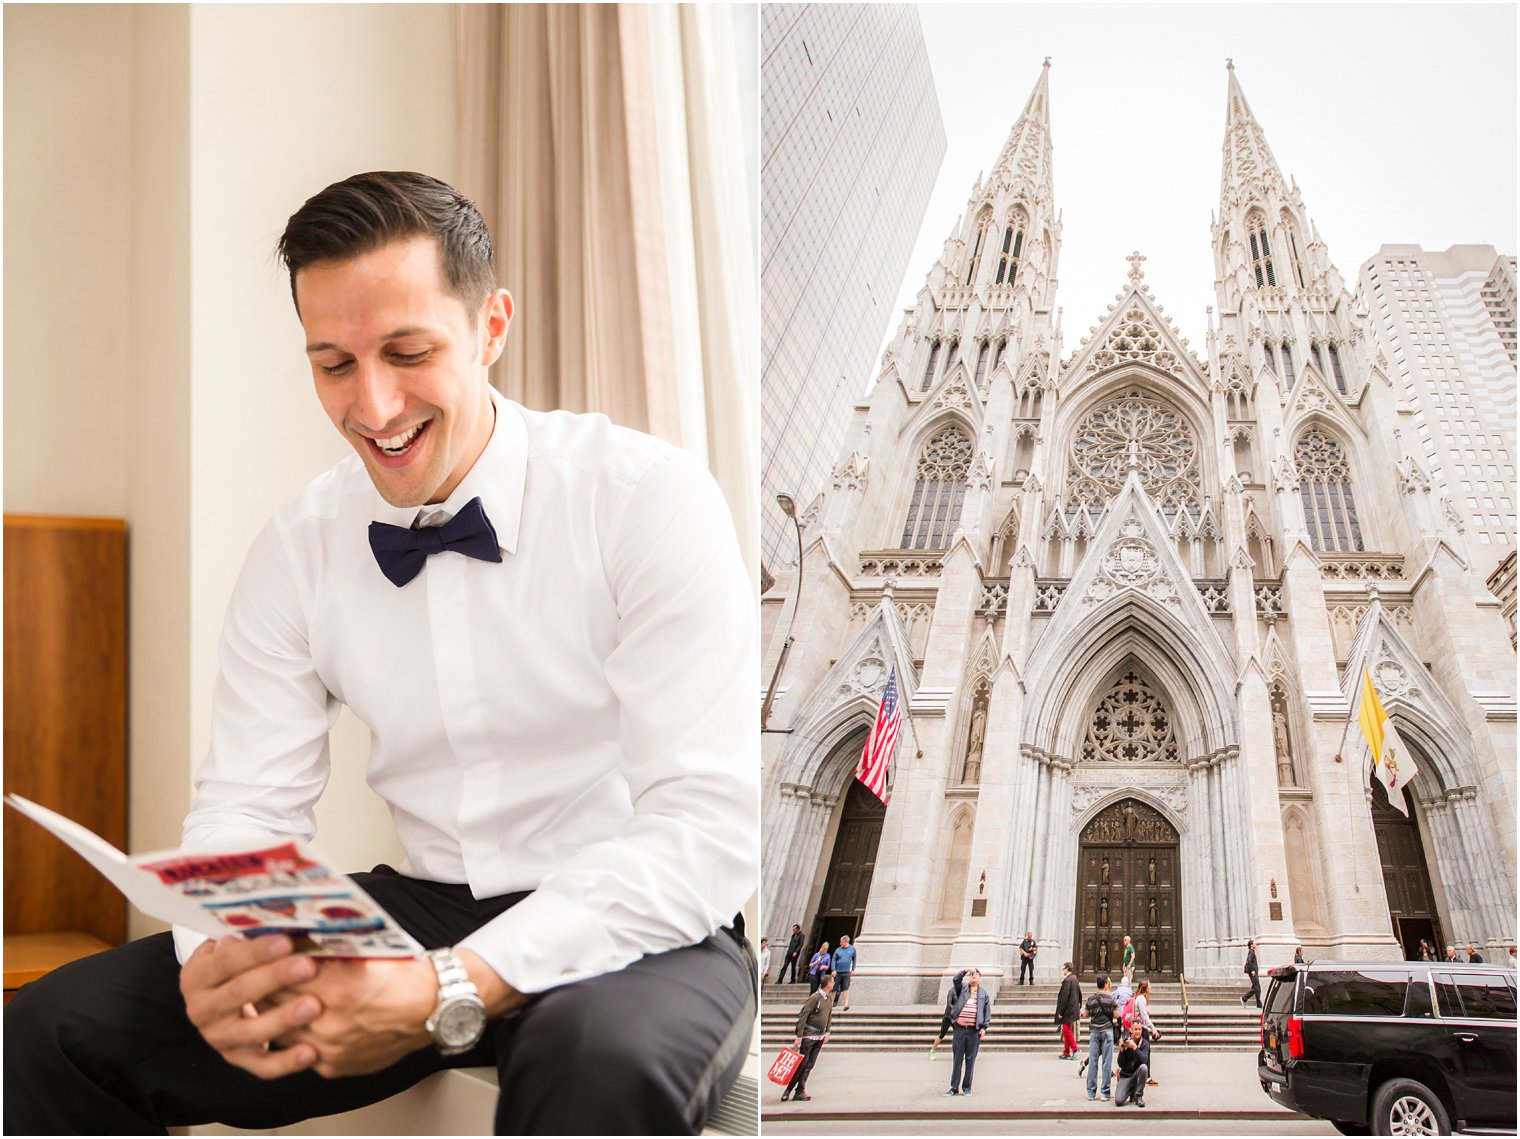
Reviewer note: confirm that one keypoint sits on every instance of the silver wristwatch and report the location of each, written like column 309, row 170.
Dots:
column 459, row 1021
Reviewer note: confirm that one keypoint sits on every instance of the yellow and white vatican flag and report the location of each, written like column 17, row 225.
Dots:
column 1391, row 761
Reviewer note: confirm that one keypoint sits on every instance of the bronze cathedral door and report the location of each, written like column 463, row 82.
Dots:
column 1127, row 882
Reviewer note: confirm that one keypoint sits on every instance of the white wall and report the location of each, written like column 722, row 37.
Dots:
column 153, row 363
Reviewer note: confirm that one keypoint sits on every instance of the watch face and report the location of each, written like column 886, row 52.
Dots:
column 460, row 1024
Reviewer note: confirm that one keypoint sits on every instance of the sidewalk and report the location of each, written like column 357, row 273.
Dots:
column 1019, row 1085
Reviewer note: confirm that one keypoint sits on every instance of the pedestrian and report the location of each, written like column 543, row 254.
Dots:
column 1142, row 1017
column 1298, row 955
column 1473, row 956
column 844, row 966
column 1133, row 1068
column 1068, row 1010
column 1128, row 961
column 1427, row 952
column 1451, row 955
column 1123, row 994
column 1099, row 1011
column 1254, row 992
column 818, row 967
column 1027, row 950
column 765, row 960
column 968, row 1012
column 793, row 956
column 811, row 1034
column 1511, row 956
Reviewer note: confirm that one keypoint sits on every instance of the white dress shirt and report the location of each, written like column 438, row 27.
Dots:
column 577, row 720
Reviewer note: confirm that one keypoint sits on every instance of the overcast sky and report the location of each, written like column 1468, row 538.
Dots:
column 1397, row 120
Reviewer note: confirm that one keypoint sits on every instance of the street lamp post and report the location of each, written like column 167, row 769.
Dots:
column 789, row 508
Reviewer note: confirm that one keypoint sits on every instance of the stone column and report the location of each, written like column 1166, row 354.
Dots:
column 1197, row 914
column 1056, row 885
column 807, row 817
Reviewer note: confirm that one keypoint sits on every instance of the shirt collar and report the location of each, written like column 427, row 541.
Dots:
column 497, row 479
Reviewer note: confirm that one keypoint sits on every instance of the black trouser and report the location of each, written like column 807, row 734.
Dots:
column 1254, row 993
column 1026, row 965
column 102, row 1046
column 791, row 959
column 809, row 1049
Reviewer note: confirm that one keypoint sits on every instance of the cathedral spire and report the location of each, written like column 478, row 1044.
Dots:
column 1027, row 151
column 1250, row 170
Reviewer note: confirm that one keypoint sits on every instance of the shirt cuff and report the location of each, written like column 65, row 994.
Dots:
column 545, row 941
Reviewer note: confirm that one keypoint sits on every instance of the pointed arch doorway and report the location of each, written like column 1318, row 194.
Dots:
column 1128, row 883
column 846, row 886
column 1406, row 875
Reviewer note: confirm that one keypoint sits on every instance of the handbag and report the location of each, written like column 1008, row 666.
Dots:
column 785, row 1066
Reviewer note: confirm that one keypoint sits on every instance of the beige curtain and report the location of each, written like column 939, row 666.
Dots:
column 605, row 146
column 557, row 149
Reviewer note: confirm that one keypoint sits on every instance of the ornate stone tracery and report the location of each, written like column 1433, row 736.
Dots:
column 1134, row 429
column 943, row 468
column 1325, row 486
column 1130, row 725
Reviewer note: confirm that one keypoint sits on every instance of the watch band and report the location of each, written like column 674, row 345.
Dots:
column 459, row 1019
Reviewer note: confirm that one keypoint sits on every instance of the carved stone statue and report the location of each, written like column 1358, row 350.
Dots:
column 1151, row 913
column 1102, row 911
column 1150, row 871
column 1103, row 876
column 1131, row 821
column 1284, row 748
column 1154, row 958
column 974, row 745
column 1103, row 956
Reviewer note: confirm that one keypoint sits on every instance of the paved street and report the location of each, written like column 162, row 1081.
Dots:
column 1289, row 1125
column 854, row 1092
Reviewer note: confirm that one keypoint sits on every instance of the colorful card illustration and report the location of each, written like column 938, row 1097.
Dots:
column 286, row 888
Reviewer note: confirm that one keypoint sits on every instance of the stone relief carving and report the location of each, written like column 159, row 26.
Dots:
column 851, row 473
column 1131, row 724
column 868, row 675
column 1131, row 563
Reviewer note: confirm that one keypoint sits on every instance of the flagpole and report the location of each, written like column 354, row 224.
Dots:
column 1356, row 703
column 908, row 716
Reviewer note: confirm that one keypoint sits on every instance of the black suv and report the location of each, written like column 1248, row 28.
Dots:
column 1392, row 1048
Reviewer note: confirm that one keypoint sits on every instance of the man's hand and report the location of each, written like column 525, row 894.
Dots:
column 374, row 1012
column 229, row 988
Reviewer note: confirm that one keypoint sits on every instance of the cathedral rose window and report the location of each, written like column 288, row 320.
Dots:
column 1134, row 428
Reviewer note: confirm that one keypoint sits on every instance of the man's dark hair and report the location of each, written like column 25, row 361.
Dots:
column 361, row 214
column 1102, row 980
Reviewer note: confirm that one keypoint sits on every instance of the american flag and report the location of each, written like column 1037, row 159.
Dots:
column 872, row 769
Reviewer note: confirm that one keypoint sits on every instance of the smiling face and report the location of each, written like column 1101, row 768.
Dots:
column 400, row 365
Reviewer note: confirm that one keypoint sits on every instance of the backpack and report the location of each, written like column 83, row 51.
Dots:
column 1127, row 1013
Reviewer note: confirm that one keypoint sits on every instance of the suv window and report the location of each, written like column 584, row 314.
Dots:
column 1476, row 996
column 1356, row 993
column 1279, row 997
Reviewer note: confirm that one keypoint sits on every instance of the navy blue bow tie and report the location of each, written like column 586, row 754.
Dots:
column 402, row 552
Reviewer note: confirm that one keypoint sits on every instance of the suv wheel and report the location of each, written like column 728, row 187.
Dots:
column 1407, row 1107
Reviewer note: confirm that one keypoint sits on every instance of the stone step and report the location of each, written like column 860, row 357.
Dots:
column 909, row 1028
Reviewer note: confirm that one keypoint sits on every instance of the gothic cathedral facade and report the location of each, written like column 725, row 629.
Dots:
column 1128, row 592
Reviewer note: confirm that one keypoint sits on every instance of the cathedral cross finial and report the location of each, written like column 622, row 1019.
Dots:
column 1047, row 61
column 1134, row 259
column 1229, row 64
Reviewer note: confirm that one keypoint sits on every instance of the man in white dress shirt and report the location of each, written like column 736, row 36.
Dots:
column 558, row 681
